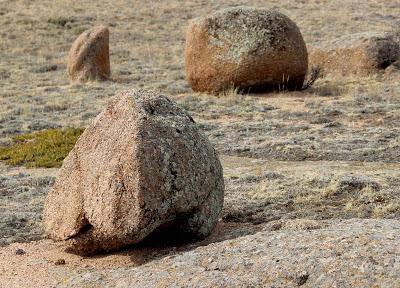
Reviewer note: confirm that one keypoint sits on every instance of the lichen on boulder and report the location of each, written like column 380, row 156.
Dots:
column 245, row 48
column 142, row 165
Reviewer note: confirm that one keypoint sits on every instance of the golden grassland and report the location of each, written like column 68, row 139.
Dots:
column 331, row 151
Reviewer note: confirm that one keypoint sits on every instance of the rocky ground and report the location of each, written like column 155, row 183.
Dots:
column 304, row 171
column 351, row 253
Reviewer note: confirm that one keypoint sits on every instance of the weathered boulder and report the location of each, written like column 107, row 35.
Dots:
column 88, row 58
column 141, row 166
column 393, row 71
column 358, row 54
column 245, row 48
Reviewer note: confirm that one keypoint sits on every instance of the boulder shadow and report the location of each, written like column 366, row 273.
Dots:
column 169, row 242
column 269, row 88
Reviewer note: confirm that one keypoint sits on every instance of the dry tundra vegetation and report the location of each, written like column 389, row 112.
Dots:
column 329, row 152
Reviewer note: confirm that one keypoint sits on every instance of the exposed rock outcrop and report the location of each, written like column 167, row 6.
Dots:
column 341, row 253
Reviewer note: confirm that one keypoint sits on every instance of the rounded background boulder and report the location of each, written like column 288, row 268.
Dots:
column 88, row 58
column 245, row 48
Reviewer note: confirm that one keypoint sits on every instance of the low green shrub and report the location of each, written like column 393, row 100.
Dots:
column 46, row 148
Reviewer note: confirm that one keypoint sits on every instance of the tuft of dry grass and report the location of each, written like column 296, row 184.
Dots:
column 314, row 74
column 231, row 95
column 384, row 210
column 61, row 21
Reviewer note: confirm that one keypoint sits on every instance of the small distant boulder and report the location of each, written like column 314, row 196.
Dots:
column 359, row 54
column 393, row 70
column 245, row 48
column 142, row 166
column 89, row 58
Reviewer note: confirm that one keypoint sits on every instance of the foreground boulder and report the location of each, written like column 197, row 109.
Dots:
column 245, row 48
column 359, row 54
column 141, row 166
column 89, row 57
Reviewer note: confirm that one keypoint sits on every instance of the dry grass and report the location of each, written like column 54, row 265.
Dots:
column 265, row 190
column 147, row 41
column 346, row 119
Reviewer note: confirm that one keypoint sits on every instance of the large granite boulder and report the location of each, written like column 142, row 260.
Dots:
column 141, row 166
column 360, row 54
column 88, row 58
column 245, row 48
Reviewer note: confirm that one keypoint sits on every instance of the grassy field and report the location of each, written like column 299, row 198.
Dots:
column 331, row 151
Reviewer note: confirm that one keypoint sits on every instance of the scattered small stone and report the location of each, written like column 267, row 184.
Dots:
column 125, row 72
column 271, row 175
column 333, row 124
column 46, row 68
column 20, row 251
column 60, row 262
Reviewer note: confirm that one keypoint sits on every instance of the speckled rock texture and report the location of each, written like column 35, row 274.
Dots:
column 88, row 58
column 142, row 165
column 246, row 48
column 359, row 54
column 293, row 253
column 352, row 253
